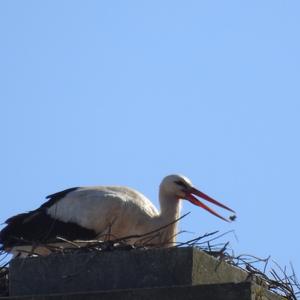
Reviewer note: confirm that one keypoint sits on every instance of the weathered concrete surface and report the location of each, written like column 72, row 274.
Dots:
column 118, row 270
column 228, row 291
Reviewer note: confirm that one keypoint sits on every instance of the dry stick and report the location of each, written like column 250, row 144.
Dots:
column 168, row 241
column 295, row 279
column 221, row 235
column 137, row 236
column 68, row 242
column 277, row 284
column 286, row 280
column 146, row 240
column 197, row 239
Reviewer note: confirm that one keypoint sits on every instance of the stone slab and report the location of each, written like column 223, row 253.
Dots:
column 97, row 271
column 227, row 291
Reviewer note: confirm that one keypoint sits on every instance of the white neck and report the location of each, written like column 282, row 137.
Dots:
column 170, row 207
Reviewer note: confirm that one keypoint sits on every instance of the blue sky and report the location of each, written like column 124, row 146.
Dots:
column 126, row 92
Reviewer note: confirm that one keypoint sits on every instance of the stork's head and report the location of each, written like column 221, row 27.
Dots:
column 180, row 187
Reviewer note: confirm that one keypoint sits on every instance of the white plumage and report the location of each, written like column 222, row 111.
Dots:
column 119, row 209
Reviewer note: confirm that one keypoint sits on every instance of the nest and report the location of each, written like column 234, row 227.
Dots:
column 264, row 271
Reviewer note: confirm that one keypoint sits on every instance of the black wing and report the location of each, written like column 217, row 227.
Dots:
column 37, row 226
column 53, row 198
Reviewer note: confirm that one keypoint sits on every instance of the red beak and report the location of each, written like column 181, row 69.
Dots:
column 189, row 196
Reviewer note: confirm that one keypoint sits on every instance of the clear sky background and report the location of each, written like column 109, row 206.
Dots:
column 126, row 92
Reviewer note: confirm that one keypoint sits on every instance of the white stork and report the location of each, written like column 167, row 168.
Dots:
column 85, row 213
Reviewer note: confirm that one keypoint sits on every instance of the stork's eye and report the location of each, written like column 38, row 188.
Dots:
column 181, row 183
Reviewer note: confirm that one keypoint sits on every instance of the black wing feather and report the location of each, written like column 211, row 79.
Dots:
column 57, row 196
column 38, row 227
